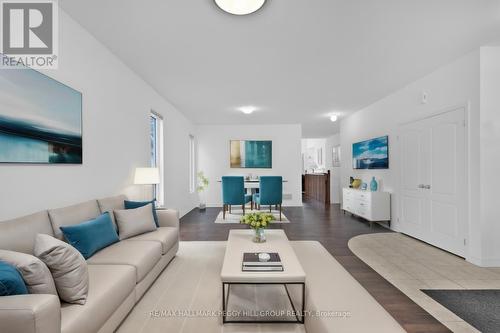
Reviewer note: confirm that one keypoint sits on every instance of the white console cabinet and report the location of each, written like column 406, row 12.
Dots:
column 372, row 206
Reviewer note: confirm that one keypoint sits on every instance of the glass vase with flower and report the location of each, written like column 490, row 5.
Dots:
column 258, row 222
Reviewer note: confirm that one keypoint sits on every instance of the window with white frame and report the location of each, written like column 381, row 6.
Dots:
column 192, row 164
column 156, row 160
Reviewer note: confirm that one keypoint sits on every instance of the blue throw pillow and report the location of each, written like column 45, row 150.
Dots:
column 11, row 281
column 137, row 204
column 91, row 236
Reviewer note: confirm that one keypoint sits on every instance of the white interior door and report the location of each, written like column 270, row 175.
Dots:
column 433, row 180
column 413, row 199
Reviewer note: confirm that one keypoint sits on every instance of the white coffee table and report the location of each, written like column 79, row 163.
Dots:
column 239, row 242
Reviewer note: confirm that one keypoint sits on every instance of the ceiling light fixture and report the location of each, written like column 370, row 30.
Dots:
column 240, row 7
column 334, row 118
column 247, row 109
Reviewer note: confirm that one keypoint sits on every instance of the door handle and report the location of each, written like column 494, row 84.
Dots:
column 427, row 187
column 421, row 186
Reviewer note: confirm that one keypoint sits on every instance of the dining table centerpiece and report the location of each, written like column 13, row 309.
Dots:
column 258, row 221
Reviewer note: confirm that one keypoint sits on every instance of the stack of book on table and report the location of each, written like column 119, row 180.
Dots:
column 252, row 263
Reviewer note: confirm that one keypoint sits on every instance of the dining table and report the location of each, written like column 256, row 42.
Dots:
column 251, row 185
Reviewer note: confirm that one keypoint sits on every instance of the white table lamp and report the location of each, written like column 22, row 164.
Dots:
column 147, row 176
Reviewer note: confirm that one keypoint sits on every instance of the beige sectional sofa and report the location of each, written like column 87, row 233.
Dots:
column 118, row 275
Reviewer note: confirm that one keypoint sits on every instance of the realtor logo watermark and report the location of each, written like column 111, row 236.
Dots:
column 29, row 34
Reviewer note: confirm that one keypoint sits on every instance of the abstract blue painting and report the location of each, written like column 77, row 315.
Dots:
column 40, row 119
column 371, row 154
column 251, row 154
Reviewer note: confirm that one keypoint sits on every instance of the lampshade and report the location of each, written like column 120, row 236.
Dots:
column 146, row 176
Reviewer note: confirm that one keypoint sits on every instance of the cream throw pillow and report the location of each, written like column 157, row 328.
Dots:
column 68, row 268
column 133, row 222
column 35, row 273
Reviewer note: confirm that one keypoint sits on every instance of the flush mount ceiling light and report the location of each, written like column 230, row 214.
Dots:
column 334, row 118
column 247, row 109
column 240, row 7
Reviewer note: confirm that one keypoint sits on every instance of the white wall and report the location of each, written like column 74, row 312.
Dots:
column 310, row 148
column 490, row 154
column 456, row 84
column 335, row 178
column 213, row 156
column 116, row 104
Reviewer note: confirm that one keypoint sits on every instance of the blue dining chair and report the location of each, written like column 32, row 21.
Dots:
column 233, row 193
column 270, row 192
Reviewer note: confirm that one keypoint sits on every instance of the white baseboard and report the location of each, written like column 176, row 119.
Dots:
column 485, row 262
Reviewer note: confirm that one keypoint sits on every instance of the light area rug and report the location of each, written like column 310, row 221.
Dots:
column 236, row 214
column 191, row 284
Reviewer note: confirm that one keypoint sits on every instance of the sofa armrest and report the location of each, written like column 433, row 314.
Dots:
column 30, row 314
column 168, row 218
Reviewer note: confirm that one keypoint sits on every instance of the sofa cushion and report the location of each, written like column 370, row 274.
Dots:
column 133, row 222
column 142, row 255
column 110, row 204
column 35, row 273
column 68, row 268
column 91, row 236
column 19, row 234
column 72, row 215
column 30, row 314
column 166, row 236
column 136, row 204
column 11, row 281
column 109, row 287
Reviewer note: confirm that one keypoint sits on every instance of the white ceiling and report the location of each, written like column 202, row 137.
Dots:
column 297, row 60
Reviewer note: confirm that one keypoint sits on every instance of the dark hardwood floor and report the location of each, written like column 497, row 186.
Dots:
column 328, row 225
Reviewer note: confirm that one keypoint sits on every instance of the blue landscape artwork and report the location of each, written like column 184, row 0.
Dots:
column 371, row 154
column 251, row 154
column 40, row 119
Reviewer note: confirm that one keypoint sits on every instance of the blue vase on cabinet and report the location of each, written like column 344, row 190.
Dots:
column 373, row 185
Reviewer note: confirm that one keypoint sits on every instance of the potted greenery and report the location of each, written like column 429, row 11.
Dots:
column 202, row 186
column 258, row 221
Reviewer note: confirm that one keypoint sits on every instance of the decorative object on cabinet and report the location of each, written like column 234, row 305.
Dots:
column 374, row 185
column 364, row 186
column 356, row 183
column 351, row 180
column 372, row 206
